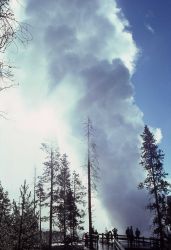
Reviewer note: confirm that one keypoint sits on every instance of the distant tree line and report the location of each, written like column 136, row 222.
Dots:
column 59, row 200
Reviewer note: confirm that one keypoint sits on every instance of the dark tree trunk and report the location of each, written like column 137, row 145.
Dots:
column 51, row 207
column 89, row 191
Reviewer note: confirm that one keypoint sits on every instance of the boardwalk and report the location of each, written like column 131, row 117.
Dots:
column 103, row 247
column 122, row 247
column 123, row 243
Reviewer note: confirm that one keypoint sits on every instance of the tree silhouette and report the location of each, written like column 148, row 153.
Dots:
column 11, row 31
column 5, row 220
column 64, row 192
column 41, row 195
column 77, row 200
column 92, row 172
column 155, row 182
column 25, row 221
column 51, row 168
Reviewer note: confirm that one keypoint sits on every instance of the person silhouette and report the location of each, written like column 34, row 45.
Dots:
column 127, row 232
column 115, row 232
column 107, row 237
column 86, row 239
column 137, row 234
column 131, row 235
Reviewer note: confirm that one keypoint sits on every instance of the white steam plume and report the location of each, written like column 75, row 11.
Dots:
column 80, row 62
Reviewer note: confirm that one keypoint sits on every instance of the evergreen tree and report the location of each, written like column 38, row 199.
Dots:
column 168, row 221
column 25, row 221
column 49, row 178
column 15, row 225
column 155, row 182
column 41, row 198
column 76, row 201
column 64, row 191
column 5, row 220
column 34, row 190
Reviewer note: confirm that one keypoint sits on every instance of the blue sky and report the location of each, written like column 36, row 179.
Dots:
column 80, row 63
column 150, row 27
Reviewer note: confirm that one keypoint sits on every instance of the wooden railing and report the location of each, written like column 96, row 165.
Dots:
column 122, row 241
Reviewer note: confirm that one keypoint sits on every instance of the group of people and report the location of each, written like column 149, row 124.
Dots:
column 113, row 234
column 109, row 235
column 94, row 237
column 130, row 234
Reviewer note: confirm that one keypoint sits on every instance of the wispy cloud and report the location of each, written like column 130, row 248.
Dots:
column 157, row 132
column 149, row 28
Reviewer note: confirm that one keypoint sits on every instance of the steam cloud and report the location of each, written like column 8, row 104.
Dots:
column 83, row 46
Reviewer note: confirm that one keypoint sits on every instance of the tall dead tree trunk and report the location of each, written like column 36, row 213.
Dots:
column 89, row 184
column 51, row 204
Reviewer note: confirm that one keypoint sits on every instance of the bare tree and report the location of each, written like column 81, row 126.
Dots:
column 92, row 172
column 11, row 31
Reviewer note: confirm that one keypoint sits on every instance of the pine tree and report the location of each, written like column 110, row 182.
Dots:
column 168, row 219
column 25, row 221
column 39, row 189
column 76, row 197
column 49, row 178
column 34, row 190
column 64, row 191
column 5, row 220
column 155, row 182
column 15, row 225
